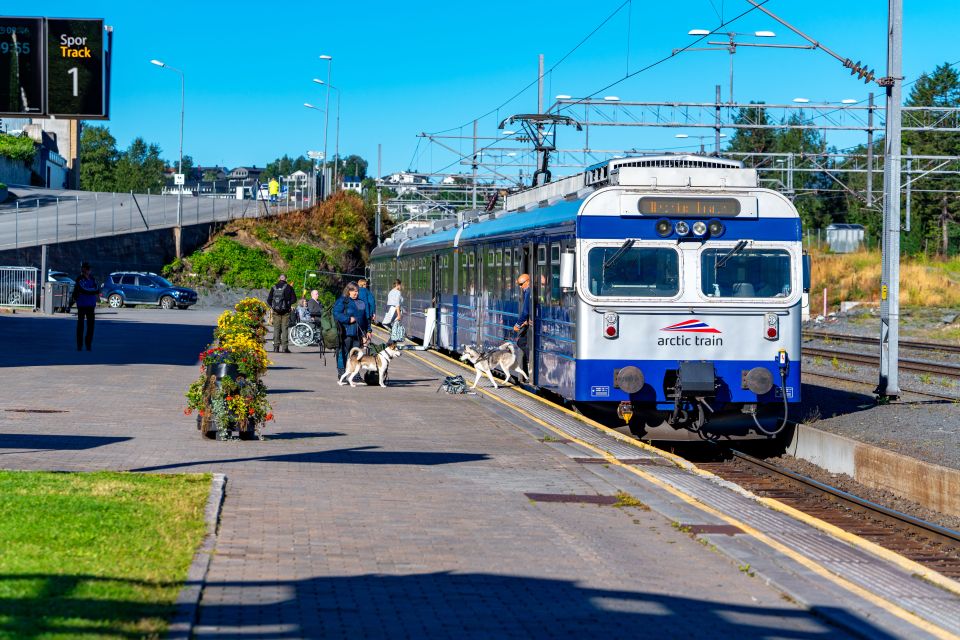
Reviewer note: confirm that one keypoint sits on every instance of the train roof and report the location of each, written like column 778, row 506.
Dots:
column 557, row 202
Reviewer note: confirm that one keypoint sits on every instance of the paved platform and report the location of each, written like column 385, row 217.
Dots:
column 397, row 512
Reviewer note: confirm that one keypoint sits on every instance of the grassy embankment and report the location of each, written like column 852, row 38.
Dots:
column 101, row 554
column 924, row 283
column 335, row 236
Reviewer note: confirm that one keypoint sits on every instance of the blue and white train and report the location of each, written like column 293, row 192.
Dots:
column 666, row 289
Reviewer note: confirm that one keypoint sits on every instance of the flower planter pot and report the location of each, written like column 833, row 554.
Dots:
column 249, row 430
column 225, row 369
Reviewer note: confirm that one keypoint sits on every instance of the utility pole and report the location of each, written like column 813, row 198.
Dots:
column 870, row 152
column 539, row 140
column 474, row 165
column 716, row 131
column 379, row 201
column 909, row 186
column 889, row 386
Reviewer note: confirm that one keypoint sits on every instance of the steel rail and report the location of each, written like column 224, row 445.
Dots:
column 907, row 364
column 928, row 529
column 872, row 383
column 945, row 347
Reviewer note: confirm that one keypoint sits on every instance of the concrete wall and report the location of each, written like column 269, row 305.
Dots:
column 143, row 251
column 13, row 172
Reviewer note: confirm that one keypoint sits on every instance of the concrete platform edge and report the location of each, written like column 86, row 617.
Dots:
column 188, row 600
column 931, row 485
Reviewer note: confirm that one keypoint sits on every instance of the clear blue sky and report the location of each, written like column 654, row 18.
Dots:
column 430, row 66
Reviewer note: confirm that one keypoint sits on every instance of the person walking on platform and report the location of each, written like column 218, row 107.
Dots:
column 281, row 299
column 394, row 304
column 367, row 297
column 523, row 322
column 86, row 291
column 353, row 324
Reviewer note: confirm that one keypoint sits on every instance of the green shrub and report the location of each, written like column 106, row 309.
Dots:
column 235, row 265
column 19, row 148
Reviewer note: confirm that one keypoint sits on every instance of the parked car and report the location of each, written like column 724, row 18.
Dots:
column 59, row 276
column 124, row 288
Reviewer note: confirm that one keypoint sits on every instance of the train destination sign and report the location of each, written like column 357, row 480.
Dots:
column 693, row 206
column 54, row 66
column 21, row 66
column 75, row 67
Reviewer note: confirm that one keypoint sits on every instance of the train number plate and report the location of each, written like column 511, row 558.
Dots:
column 599, row 392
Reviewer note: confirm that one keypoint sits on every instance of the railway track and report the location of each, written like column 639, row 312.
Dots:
column 941, row 347
column 928, row 544
column 906, row 364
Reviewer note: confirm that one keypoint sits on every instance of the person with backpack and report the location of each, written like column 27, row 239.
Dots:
column 366, row 296
column 353, row 322
column 281, row 299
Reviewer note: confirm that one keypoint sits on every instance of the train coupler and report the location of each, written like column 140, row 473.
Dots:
column 625, row 411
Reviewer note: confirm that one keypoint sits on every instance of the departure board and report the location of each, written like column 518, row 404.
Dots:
column 75, row 67
column 688, row 206
column 21, row 67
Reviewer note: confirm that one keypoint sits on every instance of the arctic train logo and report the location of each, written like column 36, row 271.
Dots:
column 691, row 326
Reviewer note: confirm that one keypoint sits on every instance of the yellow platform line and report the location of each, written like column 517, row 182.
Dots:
column 812, row 565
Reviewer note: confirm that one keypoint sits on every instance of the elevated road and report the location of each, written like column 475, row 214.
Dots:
column 34, row 216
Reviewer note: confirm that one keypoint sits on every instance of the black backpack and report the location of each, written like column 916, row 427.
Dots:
column 278, row 303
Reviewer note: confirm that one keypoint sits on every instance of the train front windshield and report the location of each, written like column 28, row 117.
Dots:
column 644, row 272
column 750, row 273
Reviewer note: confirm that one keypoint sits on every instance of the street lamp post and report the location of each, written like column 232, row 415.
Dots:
column 326, row 121
column 315, row 156
column 731, row 46
column 336, row 144
column 178, row 232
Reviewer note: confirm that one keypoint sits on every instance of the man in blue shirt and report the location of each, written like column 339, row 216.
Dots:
column 86, row 292
column 523, row 322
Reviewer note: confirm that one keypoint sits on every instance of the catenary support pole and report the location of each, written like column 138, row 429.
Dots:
column 870, row 152
column 889, row 385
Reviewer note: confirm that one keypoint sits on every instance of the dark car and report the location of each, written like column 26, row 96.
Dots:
column 128, row 288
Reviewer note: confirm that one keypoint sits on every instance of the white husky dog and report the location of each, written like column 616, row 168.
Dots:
column 357, row 362
column 503, row 357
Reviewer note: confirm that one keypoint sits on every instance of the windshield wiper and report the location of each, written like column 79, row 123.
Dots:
column 736, row 249
column 609, row 262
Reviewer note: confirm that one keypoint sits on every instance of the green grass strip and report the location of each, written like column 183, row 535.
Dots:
column 95, row 555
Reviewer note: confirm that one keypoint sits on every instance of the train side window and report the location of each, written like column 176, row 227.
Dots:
column 543, row 292
column 555, row 272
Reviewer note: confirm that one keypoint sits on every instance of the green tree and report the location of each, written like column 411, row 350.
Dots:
column 286, row 165
column 936, row 206
column 352, row 165
column 139, row 168
column 98, row 157
column 753, row 140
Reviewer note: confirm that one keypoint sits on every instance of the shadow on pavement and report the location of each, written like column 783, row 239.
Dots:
column 34, row 341
column 353, row 455
column 56, row 442
column 425, row 605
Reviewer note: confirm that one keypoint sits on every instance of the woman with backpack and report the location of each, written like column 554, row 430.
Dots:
column 354, row 324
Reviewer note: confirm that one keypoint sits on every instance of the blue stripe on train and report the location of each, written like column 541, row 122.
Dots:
column 595, row 381
column 605, row 227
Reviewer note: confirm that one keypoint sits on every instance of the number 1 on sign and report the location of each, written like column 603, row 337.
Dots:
column 73, row 71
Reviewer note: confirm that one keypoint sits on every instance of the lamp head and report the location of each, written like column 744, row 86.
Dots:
column 158, row 63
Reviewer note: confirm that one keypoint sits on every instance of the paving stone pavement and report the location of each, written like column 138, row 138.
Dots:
column 370, row 512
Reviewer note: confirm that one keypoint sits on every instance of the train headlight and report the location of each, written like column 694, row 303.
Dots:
column 716, row 229
column 611, row 325
column 771, row 326
column 699, row 228
column 758, row 380
column 682, row 228
column 664, row 228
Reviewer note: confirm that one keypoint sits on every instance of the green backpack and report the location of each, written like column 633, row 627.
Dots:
column 329, row 330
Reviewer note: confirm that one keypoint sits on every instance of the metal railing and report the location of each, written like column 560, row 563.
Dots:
column 79, row 215
column 18, row 287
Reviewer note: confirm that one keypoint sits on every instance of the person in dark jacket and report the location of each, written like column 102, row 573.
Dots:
column 314, row 308
column 86, row 292
column 353, row 322
column 367, row 297
column 523, row 321
column 281, row 299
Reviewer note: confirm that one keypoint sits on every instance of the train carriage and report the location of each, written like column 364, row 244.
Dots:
column 667, row 289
